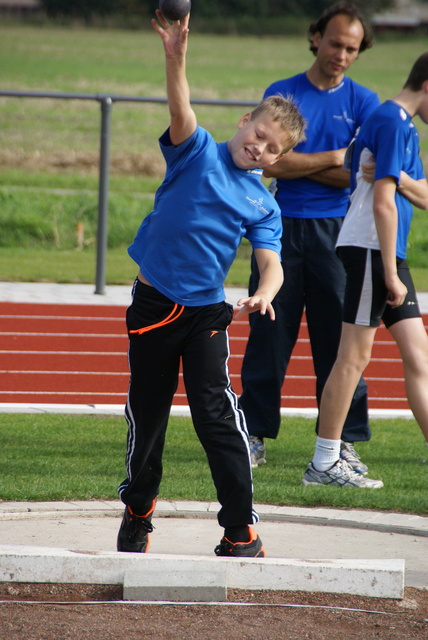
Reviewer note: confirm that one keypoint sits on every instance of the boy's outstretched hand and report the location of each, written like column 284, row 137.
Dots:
column 270, row 281
column 174, row 36
column 254, row 303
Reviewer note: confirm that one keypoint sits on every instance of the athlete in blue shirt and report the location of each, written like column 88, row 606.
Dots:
column 312, row 189
column 388, row 177
column 211, row 197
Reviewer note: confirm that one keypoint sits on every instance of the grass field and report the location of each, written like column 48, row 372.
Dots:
column 49, row 148
column 131, row 63
column 60, row 457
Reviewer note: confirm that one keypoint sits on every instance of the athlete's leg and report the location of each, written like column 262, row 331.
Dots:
column 218, row 420
column 325, row 281
column 365, row 301
column 327, row 468
column 406, row 327
column 352, row 358
column 154, row 358
column 412, row 340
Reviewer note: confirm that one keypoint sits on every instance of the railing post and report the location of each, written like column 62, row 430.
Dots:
column 100, row 280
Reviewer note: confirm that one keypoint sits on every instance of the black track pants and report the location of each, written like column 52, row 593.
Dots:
column 161, row 334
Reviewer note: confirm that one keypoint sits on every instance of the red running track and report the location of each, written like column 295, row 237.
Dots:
column 77, row 354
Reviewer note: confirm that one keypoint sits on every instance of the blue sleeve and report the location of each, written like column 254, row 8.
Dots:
column 185, row 152
column 388, row 148
column 266, row 234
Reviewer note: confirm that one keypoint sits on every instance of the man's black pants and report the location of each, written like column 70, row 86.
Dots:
column 314, row 280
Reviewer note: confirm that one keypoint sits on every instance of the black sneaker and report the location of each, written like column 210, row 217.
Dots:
column 252, row 549
column 134, row 532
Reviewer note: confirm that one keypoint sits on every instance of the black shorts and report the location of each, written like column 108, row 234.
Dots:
column 366, row 294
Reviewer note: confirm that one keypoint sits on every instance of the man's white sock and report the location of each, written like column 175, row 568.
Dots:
column 327, row 452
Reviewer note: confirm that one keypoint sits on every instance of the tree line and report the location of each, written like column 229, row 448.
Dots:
column 224, row 10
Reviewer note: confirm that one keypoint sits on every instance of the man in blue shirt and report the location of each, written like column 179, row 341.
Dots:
column 212, row 196
column 388, row 178
column 312, row 189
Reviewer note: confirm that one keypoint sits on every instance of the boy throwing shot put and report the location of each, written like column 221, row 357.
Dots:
column 210, row 198
column 387, row 177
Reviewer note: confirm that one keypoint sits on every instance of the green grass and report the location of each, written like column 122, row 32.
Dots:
column 79, row 267
column 72, row 266
column 16, row 180
column 23, row 226
column 64, row 457
column 132, row 63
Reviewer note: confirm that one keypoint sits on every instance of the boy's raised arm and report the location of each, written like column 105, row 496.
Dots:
column 386, row 220
column 174, row 37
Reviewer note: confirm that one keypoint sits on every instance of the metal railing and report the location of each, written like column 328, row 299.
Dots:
column 106, row 103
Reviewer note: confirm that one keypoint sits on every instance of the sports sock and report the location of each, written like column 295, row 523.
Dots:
column 327, row 452
column 237, row 534
column 142, row 511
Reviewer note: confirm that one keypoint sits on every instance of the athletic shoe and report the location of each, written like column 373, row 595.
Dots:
column 341, row 475
column 252, row 549
column 348, row 453
column 257, row 451
column 134, row 532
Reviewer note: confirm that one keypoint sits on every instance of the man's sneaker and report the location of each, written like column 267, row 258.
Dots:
column 134, row 532
column 341, row 475
column 257, row 451
column 348, row 453
column 252, row 549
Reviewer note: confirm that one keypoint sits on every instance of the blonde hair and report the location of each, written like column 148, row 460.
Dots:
column 283, row 110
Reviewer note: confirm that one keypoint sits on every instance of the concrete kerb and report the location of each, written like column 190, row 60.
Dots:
column 400, row 523
column 176, row 410
column 158, row 577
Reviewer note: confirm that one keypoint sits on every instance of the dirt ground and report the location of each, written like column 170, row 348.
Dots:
column 94, row 612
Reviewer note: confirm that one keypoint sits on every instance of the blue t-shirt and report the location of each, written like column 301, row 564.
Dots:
column 333, row 117
column 202, row 210
column 393, row 139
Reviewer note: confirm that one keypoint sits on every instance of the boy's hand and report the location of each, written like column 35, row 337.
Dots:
column 368, row 170
column 397, row 291
column 174, row 36
column 254, row 303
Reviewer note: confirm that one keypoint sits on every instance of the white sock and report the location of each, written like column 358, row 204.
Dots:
column 327, row 452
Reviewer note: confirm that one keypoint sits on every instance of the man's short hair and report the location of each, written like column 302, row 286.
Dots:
column 419, row 73
column 286, row 112
column 340, row 8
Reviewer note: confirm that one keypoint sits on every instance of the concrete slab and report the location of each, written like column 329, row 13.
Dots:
column 376, row 578
column 177, row 578
column 176, row 410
